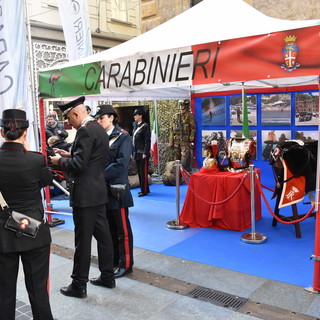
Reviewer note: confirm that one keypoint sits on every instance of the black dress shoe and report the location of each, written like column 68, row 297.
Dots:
column 73, row 291
column 142, row 194
column 103, row 283
column 120, row 272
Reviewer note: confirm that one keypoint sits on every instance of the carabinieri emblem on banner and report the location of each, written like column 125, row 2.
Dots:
column 290, row 53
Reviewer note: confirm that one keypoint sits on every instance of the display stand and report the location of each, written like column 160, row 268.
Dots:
column 295, row 215
column 253, row 237
column 175, row 224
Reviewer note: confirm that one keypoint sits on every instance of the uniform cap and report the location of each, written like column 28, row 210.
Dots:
column 105, row 109
column 139, row 111
column 66, row 107
column 14, row 119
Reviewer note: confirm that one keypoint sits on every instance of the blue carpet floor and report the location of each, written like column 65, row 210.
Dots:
column 283, row 257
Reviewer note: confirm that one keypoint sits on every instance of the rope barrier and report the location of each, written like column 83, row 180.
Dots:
column 263, row 186
column 185, row 175
column 307, row 215
column 183, row 172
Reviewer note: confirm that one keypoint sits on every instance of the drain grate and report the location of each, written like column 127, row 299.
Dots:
column 221, row 299
column 218, row 298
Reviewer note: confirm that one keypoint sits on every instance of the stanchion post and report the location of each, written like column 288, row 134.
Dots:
column 175, row 224
column 253, row 237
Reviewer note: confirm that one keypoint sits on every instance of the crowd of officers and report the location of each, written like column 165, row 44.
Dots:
column 96, row 164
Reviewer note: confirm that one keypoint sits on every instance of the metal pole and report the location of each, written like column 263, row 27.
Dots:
column 316, row 256
column 252, row 200
column 65, row 191
column 157, row 131
column 178, row 188
column 253, row 237
column 32, row 79
column 175, row 224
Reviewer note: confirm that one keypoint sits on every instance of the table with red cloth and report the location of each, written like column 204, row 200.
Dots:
column 215, row 186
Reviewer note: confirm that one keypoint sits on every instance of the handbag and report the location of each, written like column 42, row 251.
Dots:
column 20, row 223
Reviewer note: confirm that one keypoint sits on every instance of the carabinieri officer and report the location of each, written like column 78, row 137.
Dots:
column 120, row 198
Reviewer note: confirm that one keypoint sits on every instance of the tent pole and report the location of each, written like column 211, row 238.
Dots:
column 156, row 116
column 316, row 256
column 32, row 78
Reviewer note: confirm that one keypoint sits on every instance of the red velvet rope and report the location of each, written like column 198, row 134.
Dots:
column 263, row 186
column 185, row 175
column 307, row 215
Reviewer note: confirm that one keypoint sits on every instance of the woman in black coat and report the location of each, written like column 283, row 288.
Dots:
column 22, row 175
column 141, row 149
column 119, row 194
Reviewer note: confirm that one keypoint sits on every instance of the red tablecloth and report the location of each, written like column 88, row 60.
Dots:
column 234, row 214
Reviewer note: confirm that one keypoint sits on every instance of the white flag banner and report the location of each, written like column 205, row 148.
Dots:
column 76, row 28
column 14, row 78
column 14, row 81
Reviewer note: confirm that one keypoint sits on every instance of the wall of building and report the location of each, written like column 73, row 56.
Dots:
column 290, row 10
column 155, row 12
column 109, row 27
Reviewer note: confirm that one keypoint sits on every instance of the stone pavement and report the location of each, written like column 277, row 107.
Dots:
column 163, row 287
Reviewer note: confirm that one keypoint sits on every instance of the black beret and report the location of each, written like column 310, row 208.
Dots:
column 139, row 111
column 105, row 109
column 66, row 107
column 14, row 119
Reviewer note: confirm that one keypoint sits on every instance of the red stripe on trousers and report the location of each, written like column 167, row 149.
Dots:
column 126, row 237
column 145, row 174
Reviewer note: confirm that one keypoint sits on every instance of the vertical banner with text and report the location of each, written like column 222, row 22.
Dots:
column 14, row 76
column 14, row 81
column 76, row 28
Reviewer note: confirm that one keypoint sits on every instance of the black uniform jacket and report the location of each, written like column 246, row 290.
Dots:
column 117, row 171
column 142, row 140
column 22, row 175
column 86, row 166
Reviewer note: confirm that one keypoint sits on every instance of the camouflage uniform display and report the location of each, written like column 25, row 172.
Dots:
column 182, row 132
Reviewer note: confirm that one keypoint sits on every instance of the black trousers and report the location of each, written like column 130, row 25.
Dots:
column 142, row 168
column 122, row 237
column 88, row 222
column 36, row 272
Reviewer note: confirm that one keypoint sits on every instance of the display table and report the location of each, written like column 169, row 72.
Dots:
column 213, row 186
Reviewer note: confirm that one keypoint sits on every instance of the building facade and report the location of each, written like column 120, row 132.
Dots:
column 111, row 22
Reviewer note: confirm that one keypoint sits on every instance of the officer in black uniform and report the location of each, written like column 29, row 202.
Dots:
column 22, row 175
column 88, row 197
column 120, row 198
column 141, row 149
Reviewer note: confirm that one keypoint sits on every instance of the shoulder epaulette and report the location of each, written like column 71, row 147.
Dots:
column 123, row 131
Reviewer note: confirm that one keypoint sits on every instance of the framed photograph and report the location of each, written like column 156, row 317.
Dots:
column 270, row 138
column 276, row 109
column 236, row 116
column 213, row 111
column 307, row 136
column 220, row 136
column 307, row 105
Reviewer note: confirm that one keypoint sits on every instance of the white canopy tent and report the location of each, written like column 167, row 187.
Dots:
column 162, row 63
column 215, row 46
